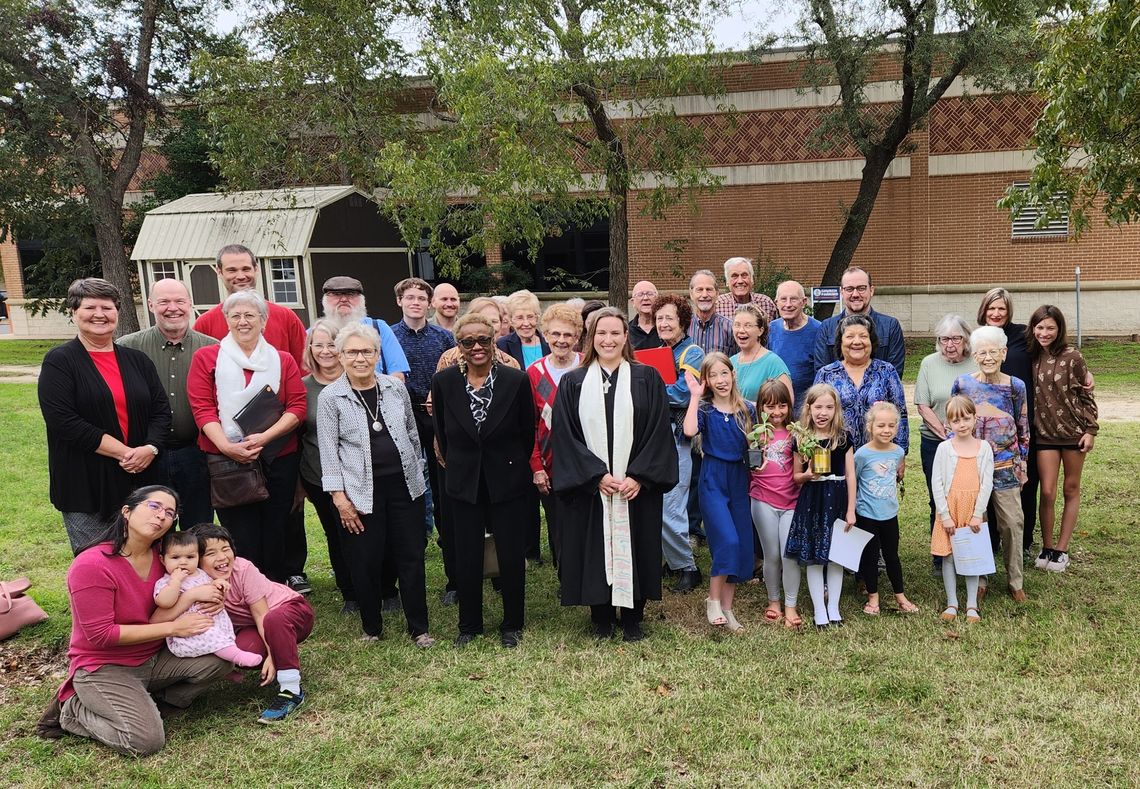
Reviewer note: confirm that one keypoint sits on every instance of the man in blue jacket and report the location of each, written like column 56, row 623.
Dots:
column 856, row 291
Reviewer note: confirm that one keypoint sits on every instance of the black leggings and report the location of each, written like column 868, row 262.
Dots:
column 886, row 539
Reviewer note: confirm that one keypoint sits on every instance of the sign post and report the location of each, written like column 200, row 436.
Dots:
column 824, row 294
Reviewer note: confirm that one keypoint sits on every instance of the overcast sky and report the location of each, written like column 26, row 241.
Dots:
column 734, row 32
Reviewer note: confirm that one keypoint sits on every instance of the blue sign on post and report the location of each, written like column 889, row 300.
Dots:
column 826, row 294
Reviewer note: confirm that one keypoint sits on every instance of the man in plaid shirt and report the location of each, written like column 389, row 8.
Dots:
column 738, row 274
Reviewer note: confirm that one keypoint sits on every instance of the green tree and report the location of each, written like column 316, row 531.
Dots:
column 80, row 88
column 529, row 94
column 928, row 44
column 1088, row 138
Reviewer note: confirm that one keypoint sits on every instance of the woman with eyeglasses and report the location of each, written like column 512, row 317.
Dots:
column 936, row 375
column 484, row 424
column 119, row 664
column 223, row 379
column 1003, row 420
column 371, row 467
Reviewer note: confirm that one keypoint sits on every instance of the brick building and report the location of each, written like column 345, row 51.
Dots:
column 935, row 242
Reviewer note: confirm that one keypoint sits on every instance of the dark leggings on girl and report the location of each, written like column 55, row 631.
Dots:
column 886, row 539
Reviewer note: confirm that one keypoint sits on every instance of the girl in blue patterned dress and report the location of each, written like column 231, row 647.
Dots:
column 723, row 418
column 824, row 499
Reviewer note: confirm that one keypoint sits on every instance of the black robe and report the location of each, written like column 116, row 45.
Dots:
column 575, row 477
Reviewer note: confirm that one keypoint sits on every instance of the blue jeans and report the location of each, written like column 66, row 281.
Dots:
column 675, row 513
column 184, row 470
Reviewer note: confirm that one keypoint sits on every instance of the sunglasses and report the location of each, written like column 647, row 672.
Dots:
column 470, row 342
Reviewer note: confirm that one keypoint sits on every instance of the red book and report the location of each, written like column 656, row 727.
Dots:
column 660, row 359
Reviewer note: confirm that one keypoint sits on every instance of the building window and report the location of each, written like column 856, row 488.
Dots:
column 164, row 270
column 1025, row 223
column 283, row 281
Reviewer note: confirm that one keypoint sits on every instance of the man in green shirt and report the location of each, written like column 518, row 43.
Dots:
column 170, row 344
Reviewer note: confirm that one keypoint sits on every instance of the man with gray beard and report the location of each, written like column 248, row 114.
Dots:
column 343, row 303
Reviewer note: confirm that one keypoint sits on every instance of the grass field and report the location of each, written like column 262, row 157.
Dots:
column 1043, row 693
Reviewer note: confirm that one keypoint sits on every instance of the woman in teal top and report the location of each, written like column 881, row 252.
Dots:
column 755, row 364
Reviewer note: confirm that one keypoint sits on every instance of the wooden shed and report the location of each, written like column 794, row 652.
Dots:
column 301, row 237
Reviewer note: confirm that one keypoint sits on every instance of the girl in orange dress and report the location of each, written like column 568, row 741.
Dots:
column 961, row 481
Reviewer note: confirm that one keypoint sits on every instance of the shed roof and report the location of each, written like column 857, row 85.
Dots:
column 273, row 223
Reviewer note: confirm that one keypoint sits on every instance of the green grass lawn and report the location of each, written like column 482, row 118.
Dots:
column 1041, row 693
column 25, row 351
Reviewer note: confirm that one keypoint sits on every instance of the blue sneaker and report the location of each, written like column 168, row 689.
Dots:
column 284, row 704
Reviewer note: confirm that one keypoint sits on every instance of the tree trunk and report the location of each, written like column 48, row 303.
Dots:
column 619, row 249
column 874, row 170
column 108, row 215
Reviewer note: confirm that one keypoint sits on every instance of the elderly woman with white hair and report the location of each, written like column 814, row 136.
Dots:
column 371, row 467
column 936, row 376
column 1003, row 421
column 223, row 379
column 525, row 343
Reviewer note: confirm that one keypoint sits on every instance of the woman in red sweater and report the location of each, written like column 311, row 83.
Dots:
column 117, row 657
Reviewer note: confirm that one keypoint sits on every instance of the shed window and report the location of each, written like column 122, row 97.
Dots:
column 283, row 281
column 164, row 270
column 1025, row 223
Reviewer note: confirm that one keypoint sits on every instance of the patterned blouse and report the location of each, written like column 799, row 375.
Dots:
column 481, row 397
column 880, row 382
column 1003, row 421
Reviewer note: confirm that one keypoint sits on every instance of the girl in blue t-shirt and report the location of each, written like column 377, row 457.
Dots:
column 879, row 465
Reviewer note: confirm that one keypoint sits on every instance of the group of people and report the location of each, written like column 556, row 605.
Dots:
column 471, row 424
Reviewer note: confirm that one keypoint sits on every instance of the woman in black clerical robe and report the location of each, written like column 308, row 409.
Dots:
column 614, row 459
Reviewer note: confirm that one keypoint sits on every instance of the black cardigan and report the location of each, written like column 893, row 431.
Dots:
column 512, row 344
column 499, row 452
column 78, row 409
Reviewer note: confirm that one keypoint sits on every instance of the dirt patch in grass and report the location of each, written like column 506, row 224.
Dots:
column 25, row 665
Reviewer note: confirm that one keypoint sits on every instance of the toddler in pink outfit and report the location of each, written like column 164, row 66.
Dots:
column 179, row 553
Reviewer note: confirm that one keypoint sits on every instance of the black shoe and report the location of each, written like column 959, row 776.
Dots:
column 687, row 581
column 666, row 572
column 510, row 638
column 390, row 604
column 603, row 632
column 299, row 584
column 536, row 560
column 465, row 638
column 631, row 632
column 48, row 727
column 449, row 597
column 350, row 607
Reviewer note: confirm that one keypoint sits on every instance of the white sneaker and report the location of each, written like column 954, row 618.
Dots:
column 1058, row 563
column 1043, row 559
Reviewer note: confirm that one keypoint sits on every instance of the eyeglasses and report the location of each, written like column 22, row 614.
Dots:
column 323, row 346
column 951, row 340
column 359, row 353
column 641, row 294
column 849, row 289
column 235, row 317
column 470, row 342
column 158, row 506
column 994, row 353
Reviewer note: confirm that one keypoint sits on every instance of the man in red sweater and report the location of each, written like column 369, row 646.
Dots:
column 237, row 267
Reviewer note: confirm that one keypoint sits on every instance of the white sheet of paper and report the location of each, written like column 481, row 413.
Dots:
column 973, row 553
column 847, row 546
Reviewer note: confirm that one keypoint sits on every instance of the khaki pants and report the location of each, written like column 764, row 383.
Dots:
column 113, row 705
column 1011, row 525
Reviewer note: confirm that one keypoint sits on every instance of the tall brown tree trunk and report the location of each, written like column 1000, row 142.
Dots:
column 108, row 215
column 619, row 248
column 874, row 170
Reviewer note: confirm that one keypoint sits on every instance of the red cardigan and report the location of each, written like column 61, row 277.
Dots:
column 204, row 396
column 544, row 390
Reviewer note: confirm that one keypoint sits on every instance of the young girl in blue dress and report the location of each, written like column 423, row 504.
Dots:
column 823, row 499
column 723, row 418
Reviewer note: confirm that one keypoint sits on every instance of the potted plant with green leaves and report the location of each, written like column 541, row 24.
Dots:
column 810, row 449
column 758, row 438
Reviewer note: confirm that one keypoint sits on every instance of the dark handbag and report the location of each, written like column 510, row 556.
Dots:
column 233, row 484
column 17, row 610
column 258, row 415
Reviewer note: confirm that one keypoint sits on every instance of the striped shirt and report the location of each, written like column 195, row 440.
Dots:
column 714, row 334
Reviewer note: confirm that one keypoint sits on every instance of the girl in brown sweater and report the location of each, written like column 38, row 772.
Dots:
column 1064, row 422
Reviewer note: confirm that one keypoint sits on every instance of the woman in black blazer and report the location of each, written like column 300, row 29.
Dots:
column 484, row 424
column 106, row 413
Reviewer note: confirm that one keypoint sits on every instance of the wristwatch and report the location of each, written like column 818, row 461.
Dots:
column 153, row 449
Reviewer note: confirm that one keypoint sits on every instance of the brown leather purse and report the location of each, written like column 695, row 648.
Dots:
column 17, row 610
column 233, row 484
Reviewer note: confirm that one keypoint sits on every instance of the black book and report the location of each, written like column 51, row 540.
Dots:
column 258, row 415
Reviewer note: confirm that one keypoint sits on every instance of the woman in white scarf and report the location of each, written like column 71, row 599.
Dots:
column 223, row 379
column 613, row 461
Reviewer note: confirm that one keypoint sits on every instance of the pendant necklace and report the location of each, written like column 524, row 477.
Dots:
column 376, row 424
column 606, row 377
